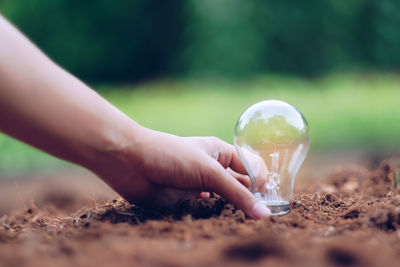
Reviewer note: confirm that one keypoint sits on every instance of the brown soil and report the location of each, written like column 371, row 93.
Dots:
column 351, row 218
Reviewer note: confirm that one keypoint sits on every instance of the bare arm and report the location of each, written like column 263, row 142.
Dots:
column 43, row 105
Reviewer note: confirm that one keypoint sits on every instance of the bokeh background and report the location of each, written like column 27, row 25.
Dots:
column 190, row 67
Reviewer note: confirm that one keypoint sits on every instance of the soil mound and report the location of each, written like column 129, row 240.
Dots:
column 351, row 218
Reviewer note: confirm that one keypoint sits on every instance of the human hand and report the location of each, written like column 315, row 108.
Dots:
column 162, row 169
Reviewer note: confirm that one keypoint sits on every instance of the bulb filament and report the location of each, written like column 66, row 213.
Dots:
column 272, row 187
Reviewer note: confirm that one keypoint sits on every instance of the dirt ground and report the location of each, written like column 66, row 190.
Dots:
column 349, row 218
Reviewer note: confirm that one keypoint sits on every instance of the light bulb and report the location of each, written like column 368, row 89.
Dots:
column 272, row 139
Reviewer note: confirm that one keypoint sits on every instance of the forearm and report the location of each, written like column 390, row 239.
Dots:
column 44, row 106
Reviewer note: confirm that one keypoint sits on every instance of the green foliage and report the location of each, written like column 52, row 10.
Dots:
column 102, row 40
column 343, row 111
column 135, row 40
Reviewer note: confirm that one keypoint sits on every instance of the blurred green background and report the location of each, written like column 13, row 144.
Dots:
column 191, row 67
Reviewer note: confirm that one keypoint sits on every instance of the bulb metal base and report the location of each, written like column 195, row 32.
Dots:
column 277, row 207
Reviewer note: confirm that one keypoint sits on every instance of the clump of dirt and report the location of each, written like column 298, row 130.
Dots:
column 352, row 218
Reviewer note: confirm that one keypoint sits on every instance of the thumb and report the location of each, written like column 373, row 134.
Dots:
column 227, row 186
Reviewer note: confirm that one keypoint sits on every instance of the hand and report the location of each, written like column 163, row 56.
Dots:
column 163, row 169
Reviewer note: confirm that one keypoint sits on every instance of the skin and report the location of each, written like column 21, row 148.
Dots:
column 44, row 106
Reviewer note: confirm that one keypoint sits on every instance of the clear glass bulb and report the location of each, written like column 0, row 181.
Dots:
column 272, row 139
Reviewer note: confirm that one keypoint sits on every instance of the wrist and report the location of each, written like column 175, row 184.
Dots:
column 116, row 147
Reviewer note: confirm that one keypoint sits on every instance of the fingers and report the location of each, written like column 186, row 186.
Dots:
column 236, row 164
column 243, row 179
column 226, row 155
column 204, row 195
column 220, row 181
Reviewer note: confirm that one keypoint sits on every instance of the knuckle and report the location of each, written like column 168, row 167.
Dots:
column 215, row 140
column 219, row 141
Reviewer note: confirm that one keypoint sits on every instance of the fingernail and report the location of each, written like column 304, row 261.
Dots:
column 260, row 211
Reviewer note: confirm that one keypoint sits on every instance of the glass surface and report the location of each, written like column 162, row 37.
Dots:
column 272, row 139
